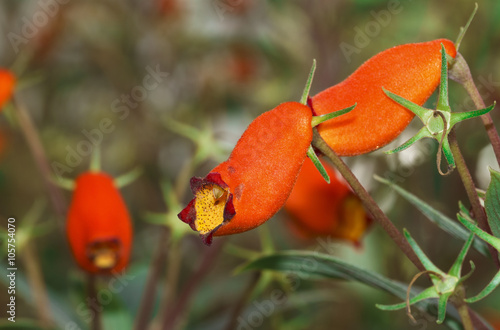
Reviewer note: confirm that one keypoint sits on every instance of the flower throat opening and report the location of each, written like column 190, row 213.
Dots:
column 210, row 204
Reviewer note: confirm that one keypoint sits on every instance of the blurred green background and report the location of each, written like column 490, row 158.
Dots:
column 223, row 63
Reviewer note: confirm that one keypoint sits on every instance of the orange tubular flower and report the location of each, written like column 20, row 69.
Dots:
column 255, row 182
column 411, row 71
column 7, row 83
column 99, row 228
column 321, row 209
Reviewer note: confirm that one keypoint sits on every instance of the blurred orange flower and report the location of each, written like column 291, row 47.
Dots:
column 7, row 83
column 99, row 228
column 321, row 209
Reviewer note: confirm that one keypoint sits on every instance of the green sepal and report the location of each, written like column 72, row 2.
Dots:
column 312, row 156
column 448, row 154
column 95, row 161
column 425, row 294
column 128, row 178
column 469, row 274
column 423, row 133
column 443, row 103
column 486, row 291
column 169, row 218
column 413, row 107
column 206, row 144
column 443, row 301
column 316, row 120
column 65, row 183
column 428, row 264
column 468, row 222
column 457, row 117
column 307, row 87
column 456, row 268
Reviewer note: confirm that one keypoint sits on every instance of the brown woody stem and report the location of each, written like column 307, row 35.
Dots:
column 460, row 73
column 31, row 134
column 368, row 202
column 37, row 284
column 470, row 189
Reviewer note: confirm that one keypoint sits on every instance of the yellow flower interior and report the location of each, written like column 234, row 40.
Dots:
column 210, row 203
column 104, row 255
column 353, row 221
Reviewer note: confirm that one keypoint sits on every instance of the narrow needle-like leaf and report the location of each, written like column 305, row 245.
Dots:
column 424, row 132
column 312, row 155
column 492, row 240
column 426, row 294
column 316, row 120
column 443, row 103
column 443, row 301
column 460, row 116
column 486, row 291
column 128, row 178
column 307, row 87
column 428, row 264
column 456, row 268
column 413, row 107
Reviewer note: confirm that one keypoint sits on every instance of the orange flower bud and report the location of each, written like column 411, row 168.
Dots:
column 99, row 228
column 7, row 83
column 411, row 71
column 321, row 209
column 255, row 182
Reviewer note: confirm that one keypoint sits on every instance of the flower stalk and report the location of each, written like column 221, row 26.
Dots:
column 368, row 202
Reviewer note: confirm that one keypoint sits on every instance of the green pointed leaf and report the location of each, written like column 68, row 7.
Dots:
column 428, row 264
column 443, row 103
column 65, row 183
column 312, row 155
column 466, row 276
column 442, row 221
column 456, row 268
column 128, row 178
column 467, row 222
column 486, row 291
column 426, row 294
column 463, row 209
column 394, row 307
column 413, row 107
column 448, row 154
column 443, row 301
column 424, row 132
column 307, row 264
column 435, row 216
column 326, row 266
column 492, row 203
column 182, row 129
column 95, row 161
column 316, row 120
column 457, row 117
column 307, row 87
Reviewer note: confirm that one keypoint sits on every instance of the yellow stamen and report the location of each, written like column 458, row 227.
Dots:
column 218, row 192
column 210, row 203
